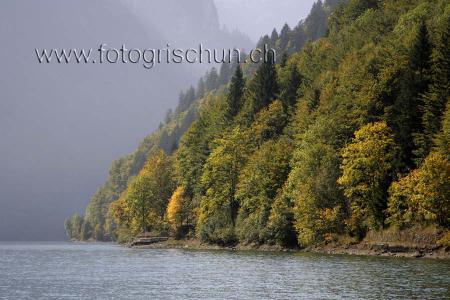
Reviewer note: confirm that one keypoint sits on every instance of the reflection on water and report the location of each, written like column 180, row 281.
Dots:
column 105, row 271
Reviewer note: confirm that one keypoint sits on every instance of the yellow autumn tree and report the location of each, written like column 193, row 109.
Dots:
column 118, row 221
column 423, row 196
column 177, row 210
column 367, row 167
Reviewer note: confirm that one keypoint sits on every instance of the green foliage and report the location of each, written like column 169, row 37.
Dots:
column 74, row 226
column 269, row 122
column 220, row 177
column 290, row 83
column 439, row 92
column 197, row 143
column 281, row 221
column 423, row 196
column 356, row 8
column 148, row 194
column 367, row 166
column 301, row 152
column 413, row 82
column 264, row 86
column 443, row 138
column 259, row 182
column 235, row 93
column 315, row 192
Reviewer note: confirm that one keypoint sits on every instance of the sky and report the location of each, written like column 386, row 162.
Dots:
column 258, row 17
column 61, row 126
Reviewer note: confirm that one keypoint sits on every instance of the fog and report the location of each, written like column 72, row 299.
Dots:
column 258, row 17
column 61, row 125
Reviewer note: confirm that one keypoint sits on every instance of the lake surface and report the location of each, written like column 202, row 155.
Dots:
column 108, row 271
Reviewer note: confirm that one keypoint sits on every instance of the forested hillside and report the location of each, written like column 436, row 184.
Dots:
column 348, row 133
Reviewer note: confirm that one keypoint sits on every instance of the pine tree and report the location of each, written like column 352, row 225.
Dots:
column 298, row 37
column 264, row 86
column 316, row 22
column 273, row 38
column 442, row 140
column 406, row 115
column 234, row 97
column 420, row 58
column 265, row 40
column 224, row 73
column 439, row 92
column 212, row 80
column 186, row 99
column 200, row 88
column 285, row 37
column 290, row 87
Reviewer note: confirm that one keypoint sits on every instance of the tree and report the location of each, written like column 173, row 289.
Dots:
column 73, row 227
column 259, row 182
column 177, row 211
column 186, row 99
column 68, row 228
column 235, row 93
column 423, row 196
column 198, row 141
column 281, row 220
column 313, row 188
column 86, row 231
column 290, row 86
column 224, row 73
column 439, row 92
column 264, row 85
column 367, row 166
column 285, row 36
column 413, row 83
column 201, row 88
column 316, row 22
column 148, row 194
column 219, row 207
column 212, row 80
column 269, row 123
column 355, row 8
column 442, row 140
column 273, row 38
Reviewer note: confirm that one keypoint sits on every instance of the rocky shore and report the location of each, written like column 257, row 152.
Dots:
column 363, row 248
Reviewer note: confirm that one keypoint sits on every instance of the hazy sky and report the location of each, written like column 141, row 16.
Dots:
column 258, row 17
column 61, row 126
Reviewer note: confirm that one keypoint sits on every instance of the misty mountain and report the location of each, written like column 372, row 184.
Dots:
column 61, row 125
column 264, row 14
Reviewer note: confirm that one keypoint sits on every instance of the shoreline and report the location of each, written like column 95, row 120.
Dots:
column 361, row 249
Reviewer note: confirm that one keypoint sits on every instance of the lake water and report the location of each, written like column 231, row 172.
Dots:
column 108, row 271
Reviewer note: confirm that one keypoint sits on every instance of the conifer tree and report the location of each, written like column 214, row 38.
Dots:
column 200, row 88
column 285, row 36
column 273, row 38
column 406, row 115
column 435, row 99
column 212, row 80
column 264, row 86
column 224, row 73
column 234, row 97
column 442, row 140
column 290, row 87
